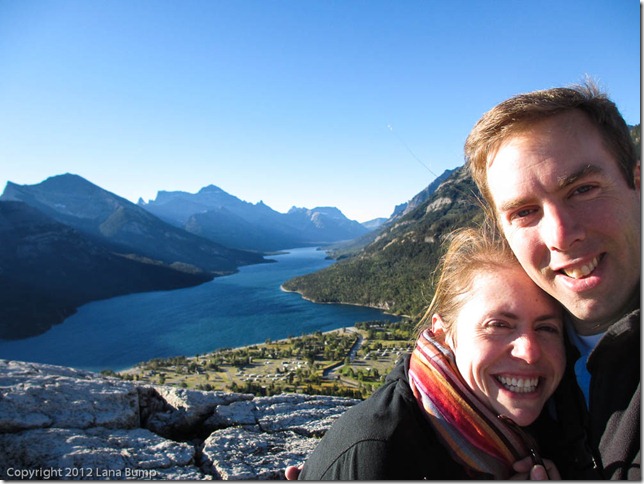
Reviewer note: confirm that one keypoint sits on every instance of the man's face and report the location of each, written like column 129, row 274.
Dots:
column 570, row 217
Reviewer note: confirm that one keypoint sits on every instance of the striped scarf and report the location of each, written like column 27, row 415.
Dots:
column 473, row 433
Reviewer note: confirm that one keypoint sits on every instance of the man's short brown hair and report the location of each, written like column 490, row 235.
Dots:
column 520, row 112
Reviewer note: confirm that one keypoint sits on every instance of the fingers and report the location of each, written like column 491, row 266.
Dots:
column 292, row 472
column 527, row 470
column 538, row 473
column 553, row 472
column 523, row 465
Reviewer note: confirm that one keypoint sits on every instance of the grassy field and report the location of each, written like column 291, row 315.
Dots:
column 345, row 362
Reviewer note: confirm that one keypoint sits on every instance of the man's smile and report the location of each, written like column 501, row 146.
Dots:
column 579, row 271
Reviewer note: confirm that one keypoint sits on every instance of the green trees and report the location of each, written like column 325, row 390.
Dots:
column 394, row 272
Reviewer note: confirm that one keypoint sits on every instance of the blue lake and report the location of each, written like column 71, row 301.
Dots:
column 245, row 308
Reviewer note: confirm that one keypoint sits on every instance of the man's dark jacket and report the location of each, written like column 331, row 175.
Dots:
column 602, row 442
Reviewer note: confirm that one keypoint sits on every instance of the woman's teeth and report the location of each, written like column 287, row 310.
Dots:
column 519, row 385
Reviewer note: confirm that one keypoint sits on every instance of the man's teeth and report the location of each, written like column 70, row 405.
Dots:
column 582, row 271
column 519, row 385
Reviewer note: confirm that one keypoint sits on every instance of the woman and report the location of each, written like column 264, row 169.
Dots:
column 489, row 354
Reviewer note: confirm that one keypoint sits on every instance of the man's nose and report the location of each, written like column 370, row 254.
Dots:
column 560, row 228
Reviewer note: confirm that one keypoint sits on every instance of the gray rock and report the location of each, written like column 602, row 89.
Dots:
column 41, row 396
column 234, row 414
column 183, row 413
column 62, row 423
column 96, row 454
column 308, row 415
column 240, row 453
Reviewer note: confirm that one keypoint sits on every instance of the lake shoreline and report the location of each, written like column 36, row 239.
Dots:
column 383, row 309
column 237, row 348
column 228, row 312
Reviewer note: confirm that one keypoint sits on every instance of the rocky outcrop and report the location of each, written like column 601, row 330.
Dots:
column 61, row 423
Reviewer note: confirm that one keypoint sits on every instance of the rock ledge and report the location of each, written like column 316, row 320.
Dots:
column 61, row 423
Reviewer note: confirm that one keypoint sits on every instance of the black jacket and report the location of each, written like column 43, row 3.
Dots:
column 603, row 443
column 384, row 437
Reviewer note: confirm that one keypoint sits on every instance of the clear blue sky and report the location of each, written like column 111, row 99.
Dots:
column 353, row 104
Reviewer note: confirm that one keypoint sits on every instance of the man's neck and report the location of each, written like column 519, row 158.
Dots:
column 584, row 327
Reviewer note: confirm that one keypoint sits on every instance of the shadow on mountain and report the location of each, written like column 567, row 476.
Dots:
column 48, row 269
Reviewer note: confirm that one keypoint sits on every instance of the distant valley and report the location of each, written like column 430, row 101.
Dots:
column 66, row 242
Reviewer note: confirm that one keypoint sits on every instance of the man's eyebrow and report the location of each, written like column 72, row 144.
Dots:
column 565, row 181
column 562, row 182
column 512, row 205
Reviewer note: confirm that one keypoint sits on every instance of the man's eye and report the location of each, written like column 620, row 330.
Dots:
column 523, row 213
column 546, row 328
column 583, row 189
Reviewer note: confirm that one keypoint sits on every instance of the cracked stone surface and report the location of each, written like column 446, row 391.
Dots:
column 63, row 423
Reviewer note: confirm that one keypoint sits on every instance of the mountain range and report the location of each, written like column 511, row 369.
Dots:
column 124, row 227
column 66, row 241
column 224, row 218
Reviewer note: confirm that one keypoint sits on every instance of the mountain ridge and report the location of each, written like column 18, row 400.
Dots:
column 49, row 269
column 113, row 221
column 225, row 219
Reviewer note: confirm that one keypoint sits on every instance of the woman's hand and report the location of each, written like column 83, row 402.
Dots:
column 526, row 469
column 292, row 472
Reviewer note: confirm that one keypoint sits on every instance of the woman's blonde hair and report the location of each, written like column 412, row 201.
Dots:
column 470, row 251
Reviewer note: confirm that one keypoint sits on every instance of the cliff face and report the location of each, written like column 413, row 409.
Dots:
column 62, row 423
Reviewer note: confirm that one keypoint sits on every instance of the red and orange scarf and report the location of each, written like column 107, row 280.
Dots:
column 473, row 433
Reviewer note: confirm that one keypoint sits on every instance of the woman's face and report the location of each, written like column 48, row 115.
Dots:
column 508, row 343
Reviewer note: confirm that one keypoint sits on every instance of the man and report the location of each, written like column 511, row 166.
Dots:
column 561, row 176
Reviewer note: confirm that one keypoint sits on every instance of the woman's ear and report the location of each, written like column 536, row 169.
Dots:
column 440, row 330
column 437, row 324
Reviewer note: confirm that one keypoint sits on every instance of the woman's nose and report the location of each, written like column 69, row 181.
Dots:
column 527, row 348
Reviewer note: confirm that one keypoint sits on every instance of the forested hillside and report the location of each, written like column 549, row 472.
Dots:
column 394, row 271
column 636, row 134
